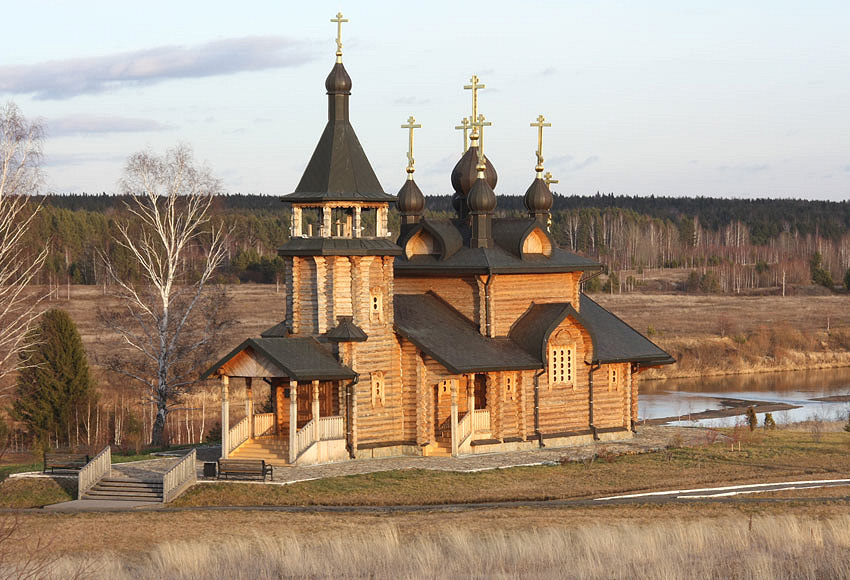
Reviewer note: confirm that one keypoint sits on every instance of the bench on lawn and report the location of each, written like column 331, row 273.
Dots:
column 244, row 468
column 68, row 461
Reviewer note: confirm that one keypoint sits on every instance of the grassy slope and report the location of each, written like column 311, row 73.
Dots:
column 765, row 456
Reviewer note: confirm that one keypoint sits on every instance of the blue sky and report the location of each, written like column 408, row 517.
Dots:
column 734, row 99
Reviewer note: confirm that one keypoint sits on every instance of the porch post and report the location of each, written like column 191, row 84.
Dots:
column 454, row 418
column 470, row 397
column 249, row 406
column 293, row 419
column 315, row 410
column 225, row 415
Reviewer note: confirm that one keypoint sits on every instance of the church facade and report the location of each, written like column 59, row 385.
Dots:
column 451, row 337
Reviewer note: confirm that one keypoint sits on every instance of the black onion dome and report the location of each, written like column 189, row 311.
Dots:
column 338, row 81
column 481, row 198
column 410, row 198
column 538, row 198
column 465, row 172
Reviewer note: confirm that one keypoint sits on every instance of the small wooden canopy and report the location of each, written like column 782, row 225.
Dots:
column 300, row 359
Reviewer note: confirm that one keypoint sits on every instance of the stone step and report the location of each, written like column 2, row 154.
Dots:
column 152, row 498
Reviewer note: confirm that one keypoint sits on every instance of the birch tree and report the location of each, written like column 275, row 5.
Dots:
column 169, row 323
column 20, row 159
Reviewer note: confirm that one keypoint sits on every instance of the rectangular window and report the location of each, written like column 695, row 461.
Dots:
column 613, row 379
column 561, row 365
column 510, row 387
column 378, row 395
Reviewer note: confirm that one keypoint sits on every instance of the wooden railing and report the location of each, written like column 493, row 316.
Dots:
column 331, row 428
column 464, row 428
column 239, row 434
column 178, row 478
column 481, row 421
column 263, row 424
column 305, row 437
column 444, row 431
column 94, row 471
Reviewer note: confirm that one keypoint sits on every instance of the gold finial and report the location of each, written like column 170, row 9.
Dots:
column 465, row 126
column 548, row 179
column 411, row 125
column 474, row 87
column 479, row 125
column 339, row 20
column 540, row 124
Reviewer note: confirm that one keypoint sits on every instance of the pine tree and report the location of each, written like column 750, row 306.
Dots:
column 54, row 380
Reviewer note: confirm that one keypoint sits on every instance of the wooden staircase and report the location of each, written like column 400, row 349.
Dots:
column 122, row 489
column 273, row 450
column 439, row 448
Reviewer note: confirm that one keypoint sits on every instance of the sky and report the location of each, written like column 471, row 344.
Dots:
column 721, row 99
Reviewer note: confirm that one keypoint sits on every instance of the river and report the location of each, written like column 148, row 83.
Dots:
column 679, row 400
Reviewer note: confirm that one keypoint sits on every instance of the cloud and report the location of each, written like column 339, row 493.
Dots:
column 93, row 125
column 549, row 71
column 745, row 168
column 64, row 79
column 569, row 163
column 847, row 168
column 63, row 159
column 411, row 101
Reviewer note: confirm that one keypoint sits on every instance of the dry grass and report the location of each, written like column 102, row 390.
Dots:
column 772, row 546
column 764, row 456
column 20, row 492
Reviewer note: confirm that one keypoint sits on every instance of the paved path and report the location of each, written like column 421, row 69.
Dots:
column 98, row 505
column 648, row 439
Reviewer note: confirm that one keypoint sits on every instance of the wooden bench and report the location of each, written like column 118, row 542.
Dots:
column 244, row 468
column 67, row 461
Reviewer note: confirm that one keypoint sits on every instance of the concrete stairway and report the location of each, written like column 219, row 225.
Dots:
column 273, row 450
column 123, row 489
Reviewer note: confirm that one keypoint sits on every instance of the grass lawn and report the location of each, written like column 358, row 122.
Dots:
column 764, row 457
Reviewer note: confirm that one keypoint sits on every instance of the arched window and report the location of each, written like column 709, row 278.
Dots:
column 423, row 243
column 537, row 242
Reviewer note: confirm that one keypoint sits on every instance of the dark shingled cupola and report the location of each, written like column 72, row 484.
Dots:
column 538, row 200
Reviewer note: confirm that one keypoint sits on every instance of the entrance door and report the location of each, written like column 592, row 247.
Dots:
column 480, row 391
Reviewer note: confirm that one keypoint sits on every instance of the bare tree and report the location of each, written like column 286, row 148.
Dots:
column 20, row 158
column 170, row 319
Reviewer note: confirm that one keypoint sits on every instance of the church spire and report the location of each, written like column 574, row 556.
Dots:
column 411, row 202
column 538, row 199
column 481, row 199
column 465, row 172
column 339, row 20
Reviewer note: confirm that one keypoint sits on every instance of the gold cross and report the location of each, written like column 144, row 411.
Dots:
column 548, row 179
column 474, row 87
column 479, row 125
column 411, row 125
column 540, row 124
column 465, row 126
column 339, row 20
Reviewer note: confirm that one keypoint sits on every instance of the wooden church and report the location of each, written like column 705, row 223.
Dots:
column 457, row 336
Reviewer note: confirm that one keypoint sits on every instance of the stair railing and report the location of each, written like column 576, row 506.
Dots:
column 177, row 479
column 239, row 434
column 305, row 437
column 263, row 424
column 93, row 471
column 331, row 428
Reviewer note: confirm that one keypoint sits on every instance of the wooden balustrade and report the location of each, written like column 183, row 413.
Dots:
column 239, row 434
column 305, row 437
column 179, row 477
column 263, row 424
column 481, row 421
column 331, row 428
column 94, row 471
column 464, row 428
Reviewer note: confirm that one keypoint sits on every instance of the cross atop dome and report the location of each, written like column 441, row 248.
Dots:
column 339, row 20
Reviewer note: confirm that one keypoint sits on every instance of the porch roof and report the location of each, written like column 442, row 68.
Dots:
column 300, row 359
column 451, row 339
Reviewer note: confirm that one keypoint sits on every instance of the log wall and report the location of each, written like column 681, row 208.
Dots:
column 566, row 407
column 512, row 294
column 461, row 292
column 609, row 400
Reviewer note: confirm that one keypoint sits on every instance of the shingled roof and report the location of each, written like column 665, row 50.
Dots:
column 300, row 359
column 614, row 341
column 456, row 257
column 451, row 339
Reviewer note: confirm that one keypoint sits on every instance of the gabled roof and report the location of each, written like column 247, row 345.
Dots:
column 346, row 331
column 451, row 339
column 505, row 257
column 616, row 341
column 339, row 170
column 300, row 359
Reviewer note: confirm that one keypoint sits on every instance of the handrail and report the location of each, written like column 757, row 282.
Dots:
column 263, row 423
column 481, row 420
column 464, row 428
column 305, row 437
column 239, row 434
column 179, row 477
column 93, row 471
column 331, row 428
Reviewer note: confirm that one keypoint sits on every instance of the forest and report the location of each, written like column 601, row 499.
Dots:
column 730, row 245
